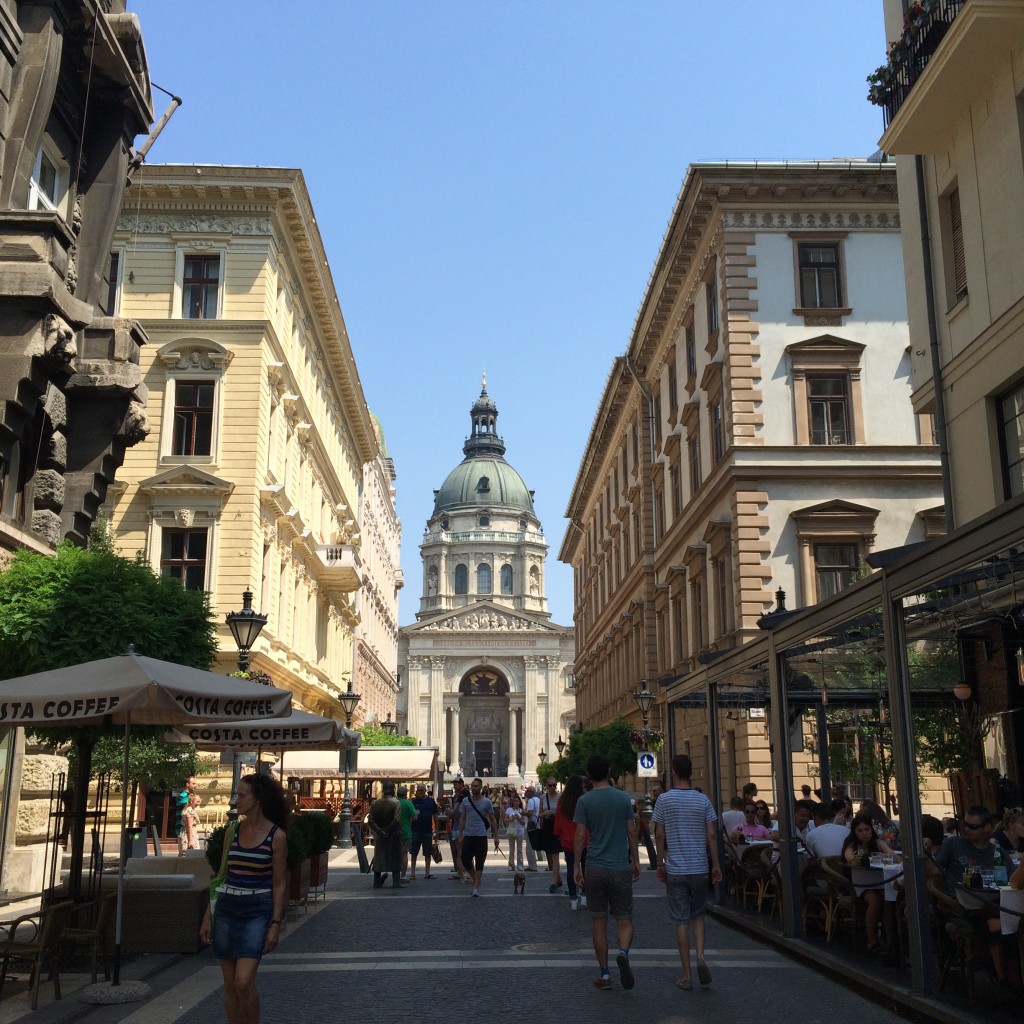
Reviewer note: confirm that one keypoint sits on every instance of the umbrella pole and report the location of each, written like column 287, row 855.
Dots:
column 116, row 977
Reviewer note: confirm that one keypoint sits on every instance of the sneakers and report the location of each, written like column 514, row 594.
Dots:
column 626, row 972
column 685, row 984
column 533, row 869
column 603, row 983
column 703, row 973
column 583, row 902
column 574, row 904
column 552, row 889
column 475, row 892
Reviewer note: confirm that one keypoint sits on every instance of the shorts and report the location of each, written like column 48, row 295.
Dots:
column 687, row 895
column 421, row 841
column 609, row 890
column 474, row 852
column 405, row 845
column 240, row 926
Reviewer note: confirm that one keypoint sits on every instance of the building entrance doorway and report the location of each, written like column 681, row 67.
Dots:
column 483, row 757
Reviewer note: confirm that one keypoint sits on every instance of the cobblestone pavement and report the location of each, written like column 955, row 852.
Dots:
column 372, row 956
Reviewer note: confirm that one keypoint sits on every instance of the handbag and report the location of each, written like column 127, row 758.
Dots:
column 222, row 875
column 535, row 837
column 435, row 852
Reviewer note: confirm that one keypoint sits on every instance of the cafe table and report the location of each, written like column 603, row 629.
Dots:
column 1011, row 904
column 871, row 877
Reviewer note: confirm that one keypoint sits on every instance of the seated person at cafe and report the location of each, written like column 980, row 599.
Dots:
column 1011, row 836
column 975, row 846
column 803, row 811
column 734, row 816
column 860, row 844
column 826, row 838
column 750, row 829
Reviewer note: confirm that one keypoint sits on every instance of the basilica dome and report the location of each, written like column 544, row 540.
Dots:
column 483, row 479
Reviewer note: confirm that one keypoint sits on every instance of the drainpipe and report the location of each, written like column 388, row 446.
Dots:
column 933, row 346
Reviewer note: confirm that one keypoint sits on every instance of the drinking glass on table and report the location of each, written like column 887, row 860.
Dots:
column 988, row 879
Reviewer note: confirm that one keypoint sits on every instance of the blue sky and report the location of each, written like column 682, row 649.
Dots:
column 492, row 183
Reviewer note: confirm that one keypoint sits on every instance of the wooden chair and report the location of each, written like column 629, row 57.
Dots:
column 842, row 895
column 39, row 939
column 94, row 939
column 755, row 874
column 816, row 899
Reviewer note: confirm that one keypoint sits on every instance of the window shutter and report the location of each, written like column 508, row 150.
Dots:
column 956, row 231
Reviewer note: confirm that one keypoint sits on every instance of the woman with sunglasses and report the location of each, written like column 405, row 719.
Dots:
column 763, row 816
column 751, row 829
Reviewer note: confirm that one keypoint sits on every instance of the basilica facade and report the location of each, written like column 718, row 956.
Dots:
column 488, row 678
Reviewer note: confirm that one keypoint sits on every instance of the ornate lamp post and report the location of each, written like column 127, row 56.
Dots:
column 644, row 701
column 389, row 726
column 560, row 744
column 349, row 701
column 245, row 627
column 543, row 756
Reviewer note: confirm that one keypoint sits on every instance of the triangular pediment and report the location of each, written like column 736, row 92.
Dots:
column 835, row 508
column 186, row 480
column 482, row 617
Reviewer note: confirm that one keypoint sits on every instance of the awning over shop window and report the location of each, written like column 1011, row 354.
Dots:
column 402, row 764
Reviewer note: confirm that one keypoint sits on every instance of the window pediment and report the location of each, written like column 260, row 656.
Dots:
column 185, row 481
column 711, row 378
column 195, row 354
column 836, row 517
column 691, row 417
column 826, row 352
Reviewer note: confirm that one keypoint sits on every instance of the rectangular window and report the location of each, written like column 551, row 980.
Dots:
column 819, row 275
column 636, row 447
column 1011, row 435
column 828, row 400
column 113, row 283
column 699, row 627
column 193, row 417
column 659, row 514
column 957, row 261
column 656, row 412
column 723, row 593
column 199, row 287
column 835, row 567
column 717, row 431
column 693, row 454
column 677, row 491
column 680, row 628
column 691, row 351
column 183, row 557
column 48, row 185
column 673, row 389
column 711, row 294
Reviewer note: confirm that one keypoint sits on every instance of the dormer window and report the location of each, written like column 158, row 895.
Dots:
column 485, row 521
column 445, row 522
column 483, row 485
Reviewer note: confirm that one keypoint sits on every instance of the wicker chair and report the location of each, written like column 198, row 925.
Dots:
column 45, row 930
column 757, row 875
column 960, row 944
column 94, row 939
column 816, row 897
column 842, row 895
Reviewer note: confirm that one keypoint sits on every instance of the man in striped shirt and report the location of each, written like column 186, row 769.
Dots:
column 685, row 822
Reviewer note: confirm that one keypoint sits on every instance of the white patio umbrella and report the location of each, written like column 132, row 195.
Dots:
column 132, row 689
column 301, row 730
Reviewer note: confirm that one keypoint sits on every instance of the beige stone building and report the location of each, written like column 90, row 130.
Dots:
column 757, row 436
column 376, row 677
column 252, row 474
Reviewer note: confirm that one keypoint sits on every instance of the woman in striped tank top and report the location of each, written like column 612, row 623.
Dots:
column 251, row 904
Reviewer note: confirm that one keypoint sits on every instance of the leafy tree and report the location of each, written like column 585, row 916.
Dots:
column 612, row 740
column 374, row 736
column 79, row 605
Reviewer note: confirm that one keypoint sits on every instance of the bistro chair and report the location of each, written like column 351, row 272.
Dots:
column 39, row 938
column 816, row 898
column 960, row 945
column 842, row 895
column 755, row 875
column 94, row 939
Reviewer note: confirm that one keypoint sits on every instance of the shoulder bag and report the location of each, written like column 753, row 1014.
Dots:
column 534, row 833
column 222, row 876
column 550, row 842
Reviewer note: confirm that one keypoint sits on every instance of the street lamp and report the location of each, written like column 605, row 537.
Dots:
column 543, row 756
column 348, row 701
column 245, row 627
column 388, row 726
column 559, row 744
column 644, row 701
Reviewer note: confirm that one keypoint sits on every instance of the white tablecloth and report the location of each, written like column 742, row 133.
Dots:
column 888, row 873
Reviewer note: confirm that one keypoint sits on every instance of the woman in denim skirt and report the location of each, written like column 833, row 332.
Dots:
column 252, row 901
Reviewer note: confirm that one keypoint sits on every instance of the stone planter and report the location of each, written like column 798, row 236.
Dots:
column 298, row 882
column 317, row 869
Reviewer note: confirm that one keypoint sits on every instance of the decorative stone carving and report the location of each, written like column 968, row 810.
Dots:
column 184, row 517
column 59, row 345
column 164, row 224
column 136, row 424
column 472, row 621
column 49, row 490
column 56, row 453
column 46, row 524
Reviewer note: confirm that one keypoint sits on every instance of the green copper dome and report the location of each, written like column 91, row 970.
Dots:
column 483, row 479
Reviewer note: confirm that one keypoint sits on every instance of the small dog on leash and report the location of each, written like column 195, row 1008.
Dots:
column 519, row 884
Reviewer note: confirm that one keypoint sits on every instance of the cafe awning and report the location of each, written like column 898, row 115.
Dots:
column 402, row 764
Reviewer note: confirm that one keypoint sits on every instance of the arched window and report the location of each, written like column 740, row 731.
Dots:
column 484, row 584
column 506, row 579
column 461, row 579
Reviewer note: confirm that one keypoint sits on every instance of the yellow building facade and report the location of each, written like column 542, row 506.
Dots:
column 259, row 431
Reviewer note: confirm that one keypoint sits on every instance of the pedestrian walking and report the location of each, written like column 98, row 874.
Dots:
column 532, row 808
column 613, row 864
column 422, row 830
column 181, row 803
column 685, row 827
column 252, row 901
column 515, row 832
column 408, row 813
column 565, row 829
column 552, row 847
column 458, row 873
column 386, row 828
column 475, row 819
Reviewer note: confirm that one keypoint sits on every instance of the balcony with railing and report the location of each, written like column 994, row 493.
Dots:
column 946, row 53
column 338, row 567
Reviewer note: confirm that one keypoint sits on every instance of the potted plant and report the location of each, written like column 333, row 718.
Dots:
column 321, row 839
column 298, row 858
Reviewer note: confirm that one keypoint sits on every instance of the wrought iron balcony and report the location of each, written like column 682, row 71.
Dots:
column 927, row 23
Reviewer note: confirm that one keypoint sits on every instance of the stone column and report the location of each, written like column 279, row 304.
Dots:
column 436, row 694
column 515, row 712
column 532, row 742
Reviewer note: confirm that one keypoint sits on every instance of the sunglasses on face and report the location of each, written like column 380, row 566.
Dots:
column 972, row 826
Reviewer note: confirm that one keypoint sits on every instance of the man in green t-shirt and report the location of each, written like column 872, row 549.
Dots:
column 613, row 865
column 408, row 813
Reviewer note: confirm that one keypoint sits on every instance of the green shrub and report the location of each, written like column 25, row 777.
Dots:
column 321, row 832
